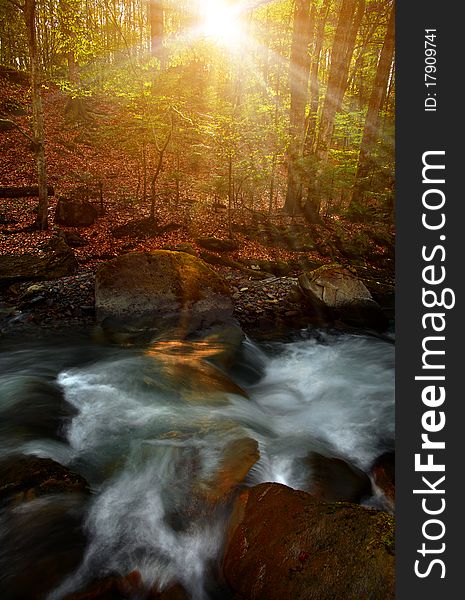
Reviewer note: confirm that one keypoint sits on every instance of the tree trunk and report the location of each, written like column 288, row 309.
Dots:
column 299, row 72
column 310, row 135
column 230, row 193
column 349, row 21
column 366, row 161
column 73, row 69
column 37, row 113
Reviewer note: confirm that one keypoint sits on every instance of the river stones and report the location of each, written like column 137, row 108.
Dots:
column 157, row 289
column 346, row 296
column 189, row 368
column 284, row 543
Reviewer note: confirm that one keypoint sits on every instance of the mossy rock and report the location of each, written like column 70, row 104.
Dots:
column 160, row 288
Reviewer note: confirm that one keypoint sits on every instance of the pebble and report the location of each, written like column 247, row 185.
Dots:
column 51, row 303
column 70, row 300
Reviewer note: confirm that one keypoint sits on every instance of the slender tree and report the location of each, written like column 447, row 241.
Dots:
column 37, row 112
column 350, row 17
column 310, row 136
column 299, row 72
column 371, row 130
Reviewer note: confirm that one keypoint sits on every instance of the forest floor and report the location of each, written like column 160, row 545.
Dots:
column 84, row 158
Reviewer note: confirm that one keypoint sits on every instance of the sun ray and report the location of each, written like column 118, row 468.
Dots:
column 223, row 23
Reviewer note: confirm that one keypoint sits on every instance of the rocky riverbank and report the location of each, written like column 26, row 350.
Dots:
column 264, row 304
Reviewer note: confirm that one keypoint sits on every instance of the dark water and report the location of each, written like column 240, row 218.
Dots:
column 148, row 428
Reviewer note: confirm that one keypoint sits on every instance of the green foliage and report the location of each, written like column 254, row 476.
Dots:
column 226, row 109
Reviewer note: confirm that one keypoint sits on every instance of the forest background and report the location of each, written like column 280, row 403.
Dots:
column 266, row 123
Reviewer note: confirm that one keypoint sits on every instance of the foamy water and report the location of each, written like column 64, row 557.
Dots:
column 147, row 428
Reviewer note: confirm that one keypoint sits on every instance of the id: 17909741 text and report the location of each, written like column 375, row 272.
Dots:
column 431, row 100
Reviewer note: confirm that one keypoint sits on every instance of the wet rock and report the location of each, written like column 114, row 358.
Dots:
column 27, row 477
column 218, row 245
column 335, row 480
column 238, row 457
column 127, row 588
column 41, row 543
column 32, row 290
column 155, row 289
column 112, row 587
column 384, row 475
column 75, row 213
column 284, row 543
column 344, row 294
column 174, row 592
column 33, row 407
column 55, row 260
column 186, row 364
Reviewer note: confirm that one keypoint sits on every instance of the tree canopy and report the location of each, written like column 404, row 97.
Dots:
column 270, row 104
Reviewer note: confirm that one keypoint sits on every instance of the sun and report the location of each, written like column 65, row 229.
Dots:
column 221, row 23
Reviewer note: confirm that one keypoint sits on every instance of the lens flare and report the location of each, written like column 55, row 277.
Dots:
column 221, row 23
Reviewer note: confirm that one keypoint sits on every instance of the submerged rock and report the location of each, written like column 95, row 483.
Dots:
column 33, row 407
column 127, row 588
column 161, row 288
column 284, row 543
column 238, row 457
column 344, row 294
column 41, row 543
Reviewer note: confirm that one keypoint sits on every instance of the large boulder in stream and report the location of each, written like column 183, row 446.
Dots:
column 284, row 543
column 53, row 260
column 346, row 296
column 153, row 290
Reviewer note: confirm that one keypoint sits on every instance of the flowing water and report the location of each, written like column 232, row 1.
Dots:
column 154, row 430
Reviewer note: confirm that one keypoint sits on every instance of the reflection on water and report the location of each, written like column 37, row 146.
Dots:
column 164, row 434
